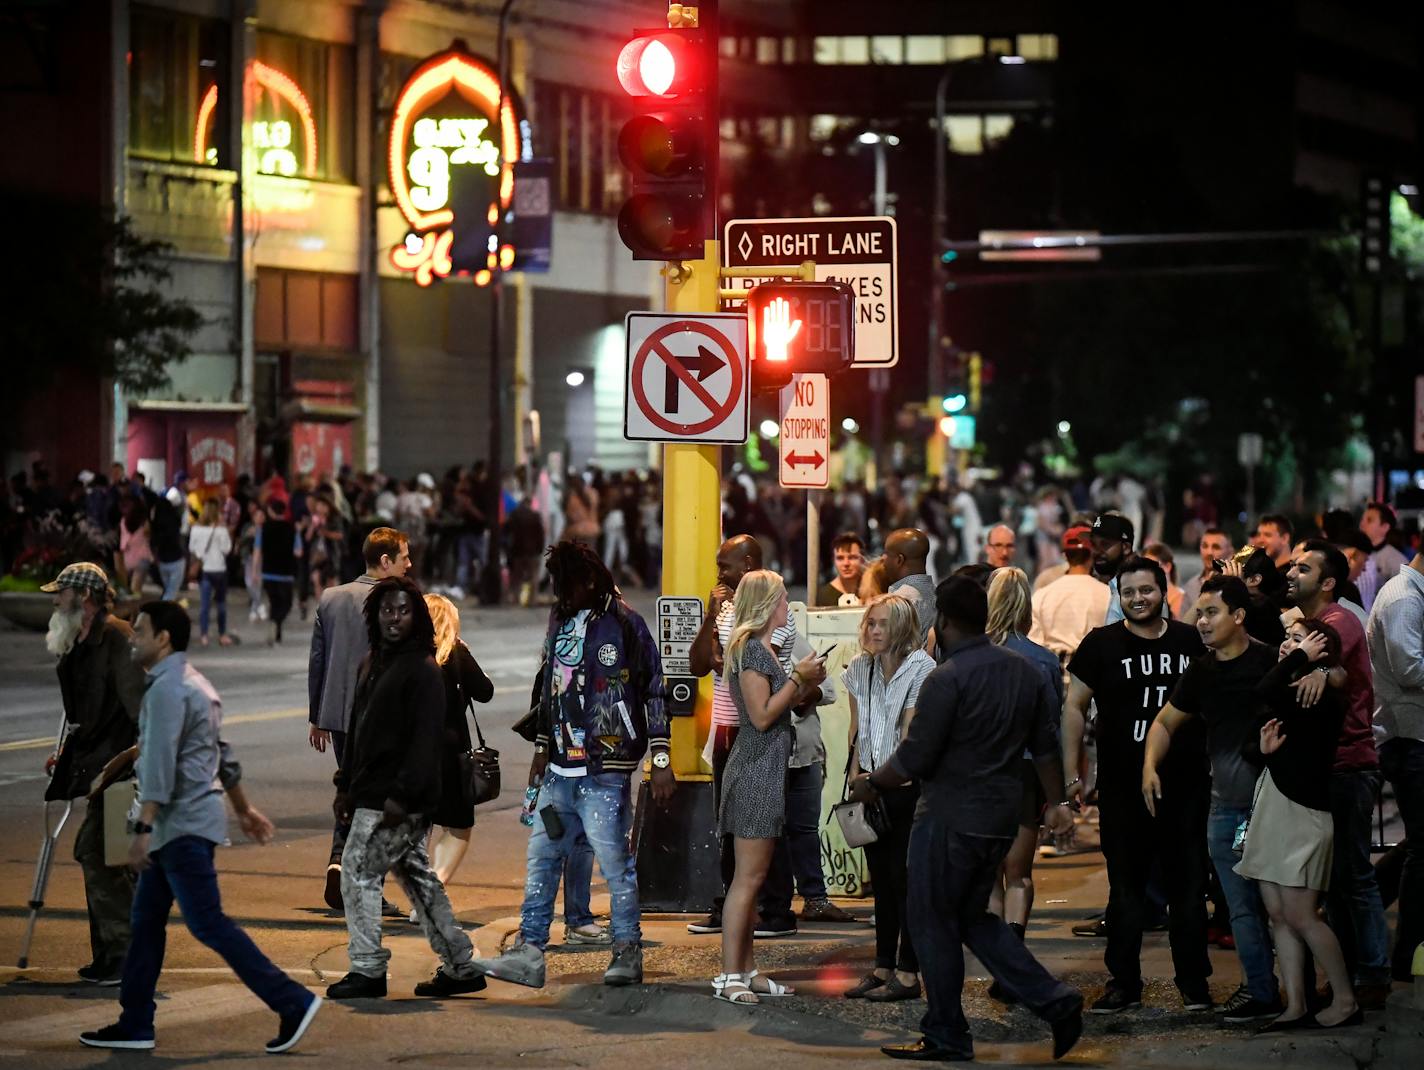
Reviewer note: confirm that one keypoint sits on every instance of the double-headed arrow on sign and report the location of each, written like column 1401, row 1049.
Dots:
column 704, row 364
column 814, row 459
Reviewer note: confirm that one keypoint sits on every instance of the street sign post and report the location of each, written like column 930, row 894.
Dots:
column 678, row 622
column 806, row 432
column 687, row 378
column 859, row 251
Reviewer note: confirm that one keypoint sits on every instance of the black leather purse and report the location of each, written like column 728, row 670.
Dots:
column 479, row 770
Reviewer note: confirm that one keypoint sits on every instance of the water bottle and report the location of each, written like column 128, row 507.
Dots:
column 531, row 799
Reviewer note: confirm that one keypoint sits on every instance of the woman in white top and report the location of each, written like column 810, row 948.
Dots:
column 210, row 543
column 883, row 684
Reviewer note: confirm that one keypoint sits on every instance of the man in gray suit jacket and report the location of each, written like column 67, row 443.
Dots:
column 338, row 644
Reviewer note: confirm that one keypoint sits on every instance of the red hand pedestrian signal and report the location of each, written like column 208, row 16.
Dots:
column 778, row 330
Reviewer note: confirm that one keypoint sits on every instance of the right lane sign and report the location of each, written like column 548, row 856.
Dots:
column 806, row 432
column 857, row 250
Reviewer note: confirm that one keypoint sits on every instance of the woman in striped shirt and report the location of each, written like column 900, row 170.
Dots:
column 883, row 684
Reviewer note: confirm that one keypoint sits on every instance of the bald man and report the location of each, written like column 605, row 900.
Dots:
column 1000, row 546
column 906, row 551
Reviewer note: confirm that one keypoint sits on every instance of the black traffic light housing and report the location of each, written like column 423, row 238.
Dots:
column 671, row 148
column 799, row 327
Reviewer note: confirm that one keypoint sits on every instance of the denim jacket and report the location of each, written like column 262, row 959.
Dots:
column 621, row 663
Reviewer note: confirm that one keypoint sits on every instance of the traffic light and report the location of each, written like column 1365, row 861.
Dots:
column 671, row 149
column 799, row 327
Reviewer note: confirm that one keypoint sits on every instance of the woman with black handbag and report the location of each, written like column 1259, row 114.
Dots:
column 883, row 684
column 465, row 682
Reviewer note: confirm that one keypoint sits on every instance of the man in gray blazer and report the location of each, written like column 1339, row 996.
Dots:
column 339, row 643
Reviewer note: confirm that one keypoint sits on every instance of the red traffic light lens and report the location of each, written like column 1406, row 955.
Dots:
column 657, row 65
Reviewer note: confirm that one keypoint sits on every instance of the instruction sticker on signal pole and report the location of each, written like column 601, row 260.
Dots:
column 806, row 432
column 679, row 620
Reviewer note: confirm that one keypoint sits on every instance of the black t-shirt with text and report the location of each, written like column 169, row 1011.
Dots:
column 1223, row 695
column 1132, row 679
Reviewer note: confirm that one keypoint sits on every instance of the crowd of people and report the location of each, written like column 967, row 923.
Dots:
column 1231, row 735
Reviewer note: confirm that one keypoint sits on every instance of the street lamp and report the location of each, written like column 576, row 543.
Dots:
column 849, row 425
column 574, row 378
column 770, row 429
column 1064, row 427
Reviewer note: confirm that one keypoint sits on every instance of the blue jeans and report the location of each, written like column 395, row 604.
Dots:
column 1353, row 904
column 803, row 829
column 213, row 586
column 1243, row 901
column 578, row 876
column 183, row 870
column 600, row 806
column 171, row 573
column 1402, row 761
column 469, row 550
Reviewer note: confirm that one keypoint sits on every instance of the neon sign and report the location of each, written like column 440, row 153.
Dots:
column 452, row 168
column 272, row 139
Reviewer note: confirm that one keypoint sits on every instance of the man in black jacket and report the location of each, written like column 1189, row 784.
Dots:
column 102, row 688
column 387, row 787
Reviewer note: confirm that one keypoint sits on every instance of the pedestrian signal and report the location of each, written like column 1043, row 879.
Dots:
column 799, row 328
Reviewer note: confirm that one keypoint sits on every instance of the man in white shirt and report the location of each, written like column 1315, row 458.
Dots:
column 1385, row 560
column 1396, row 641
column 1073, row 605
column 1215, row 545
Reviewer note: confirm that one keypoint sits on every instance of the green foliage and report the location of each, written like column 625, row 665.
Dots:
column 1406, row 237
column 86, row 293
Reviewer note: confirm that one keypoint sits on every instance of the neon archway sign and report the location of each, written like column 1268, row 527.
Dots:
column 272, row 140
column 425, row 150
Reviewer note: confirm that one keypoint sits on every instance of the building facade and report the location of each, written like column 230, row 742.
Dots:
column 253, row 136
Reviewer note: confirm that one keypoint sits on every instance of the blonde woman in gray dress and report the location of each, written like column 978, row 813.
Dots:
column 753, row 807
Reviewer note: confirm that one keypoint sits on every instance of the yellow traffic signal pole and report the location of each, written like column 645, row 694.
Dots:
column 692, row 511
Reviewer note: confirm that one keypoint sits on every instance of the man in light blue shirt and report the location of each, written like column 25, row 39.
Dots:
column 180, row 824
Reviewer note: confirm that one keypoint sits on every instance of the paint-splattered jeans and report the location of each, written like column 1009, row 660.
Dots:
column 371, row 852
column 601, row 806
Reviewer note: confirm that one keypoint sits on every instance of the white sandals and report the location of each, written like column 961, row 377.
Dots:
column 738, row 988
column 733, row 988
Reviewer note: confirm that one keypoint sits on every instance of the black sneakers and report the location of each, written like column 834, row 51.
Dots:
column 710, row 924
column 358, row 986
column 103, row 974
column 116, row 1036
column 442, row 984
column 1253, row 1010
column 292, row 1028
column 1116, row 999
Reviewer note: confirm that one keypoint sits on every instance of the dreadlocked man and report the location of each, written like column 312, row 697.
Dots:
column 387, row 787
column 601, row 704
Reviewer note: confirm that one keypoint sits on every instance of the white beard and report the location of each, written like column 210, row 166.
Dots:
column 63, row 631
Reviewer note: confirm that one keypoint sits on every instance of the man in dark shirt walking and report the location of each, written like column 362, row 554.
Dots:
column 975, row 715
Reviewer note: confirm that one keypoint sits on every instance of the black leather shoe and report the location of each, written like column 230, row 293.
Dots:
column 1066, row 1032
column 358, row 986
column 868, row 983
column 442, row 984
column 893, row 990
column 924, row 1052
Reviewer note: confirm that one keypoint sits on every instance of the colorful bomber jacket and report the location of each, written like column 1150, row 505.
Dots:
column 620, row 663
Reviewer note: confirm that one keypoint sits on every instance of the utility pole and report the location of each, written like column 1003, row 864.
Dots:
column 493, row 581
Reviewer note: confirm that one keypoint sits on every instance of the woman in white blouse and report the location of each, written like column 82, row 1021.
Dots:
column 209, row 542
column 883, row 684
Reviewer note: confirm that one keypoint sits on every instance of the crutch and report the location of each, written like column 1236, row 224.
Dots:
column 52, row 830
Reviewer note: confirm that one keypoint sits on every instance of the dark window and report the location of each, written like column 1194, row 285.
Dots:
column 176, row 110
column 303, row 94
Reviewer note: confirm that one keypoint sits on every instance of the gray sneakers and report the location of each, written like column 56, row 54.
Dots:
column 626, row 967
column 520, row 964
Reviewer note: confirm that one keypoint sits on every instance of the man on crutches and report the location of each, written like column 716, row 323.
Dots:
column 102, row 688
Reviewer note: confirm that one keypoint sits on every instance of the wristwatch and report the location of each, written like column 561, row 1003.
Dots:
column 140, row 829
column 661, row 759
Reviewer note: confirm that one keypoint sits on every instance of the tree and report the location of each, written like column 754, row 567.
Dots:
column 86, row 294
